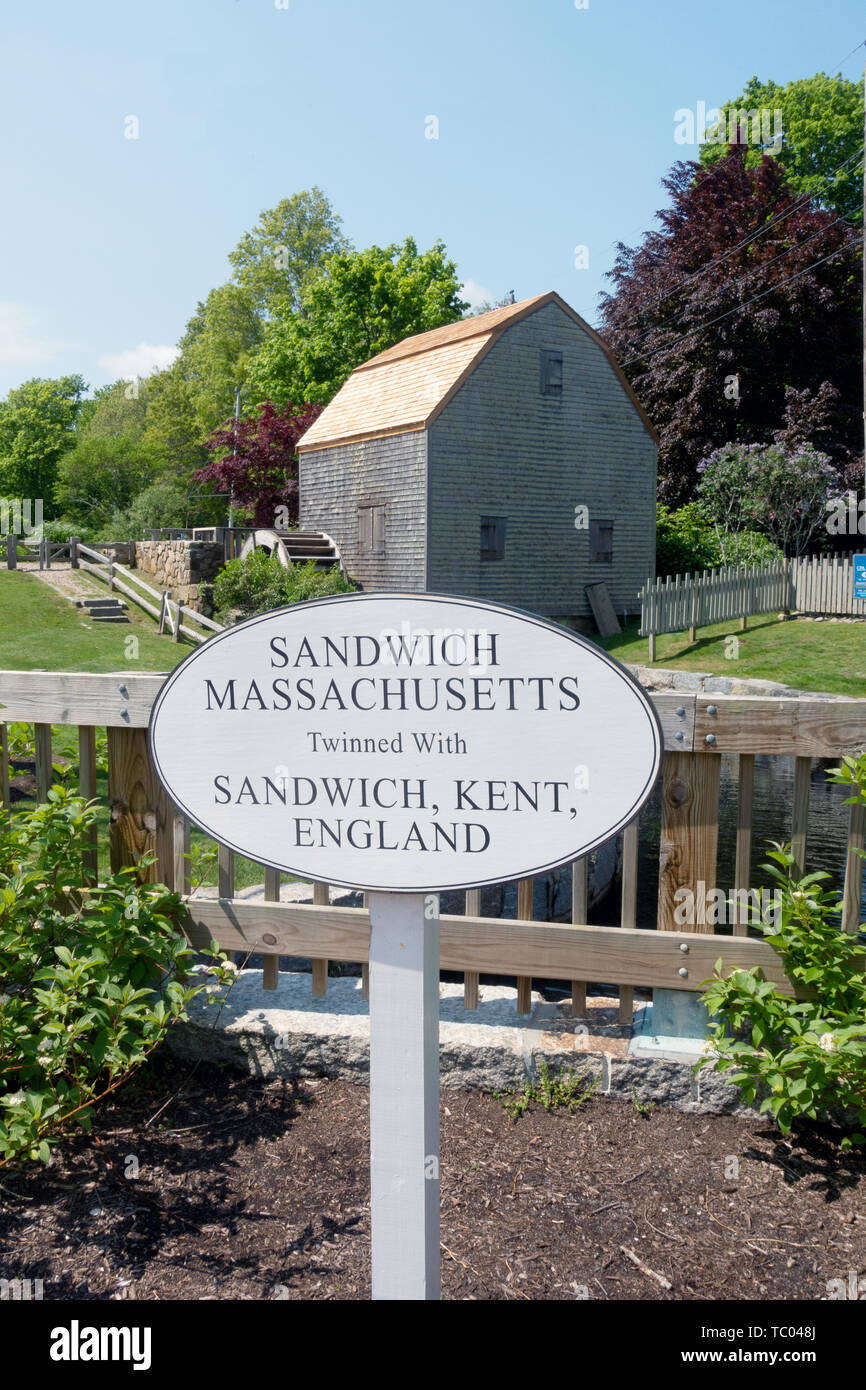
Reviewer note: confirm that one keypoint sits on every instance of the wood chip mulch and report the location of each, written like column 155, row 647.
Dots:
column 259, row 1190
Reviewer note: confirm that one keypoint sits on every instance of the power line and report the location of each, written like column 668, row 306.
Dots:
column 834, row 72
column 753, row 236
column 738, row 309
column 732, row 284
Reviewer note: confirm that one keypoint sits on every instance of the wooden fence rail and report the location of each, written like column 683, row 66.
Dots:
column 165, row 609
column 697, row 731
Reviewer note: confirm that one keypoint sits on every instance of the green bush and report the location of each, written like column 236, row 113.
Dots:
column 684, row 541
column 158, row 506
column 260, row 583
column 808, row 1054
column 61, row 530
column 90, row 977
column 687, row 541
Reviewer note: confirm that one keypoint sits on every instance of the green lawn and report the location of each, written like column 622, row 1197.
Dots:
column 41, row 630
column 811, row 656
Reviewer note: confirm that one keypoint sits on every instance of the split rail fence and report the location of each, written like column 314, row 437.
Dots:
column 697, row 731
column 167, row 611
column 819, row 584
column 103, row 564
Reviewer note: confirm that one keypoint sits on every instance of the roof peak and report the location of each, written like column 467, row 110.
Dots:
column 475, row 326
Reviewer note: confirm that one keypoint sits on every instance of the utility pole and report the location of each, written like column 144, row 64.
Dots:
column 232, row 492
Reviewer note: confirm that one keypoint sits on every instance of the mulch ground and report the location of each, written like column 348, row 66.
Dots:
column 259, row 1190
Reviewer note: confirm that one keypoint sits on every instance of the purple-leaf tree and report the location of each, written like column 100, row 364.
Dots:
column 711, row 360
column 256, row 461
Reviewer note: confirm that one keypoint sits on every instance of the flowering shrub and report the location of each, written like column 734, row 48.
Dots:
column 809, row 1054
column 90, row 978
column 782, row 492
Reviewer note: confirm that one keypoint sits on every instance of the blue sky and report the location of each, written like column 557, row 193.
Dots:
column 555, row 127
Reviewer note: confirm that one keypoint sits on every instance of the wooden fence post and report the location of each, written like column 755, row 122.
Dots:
column 321, row 898
column 854, row 868
column 182, row 866
column 628, row 910
column 11, row 552
column 5, row 801
column 524, row 912
column 800, row 812
column 743, row 858
column 470, row 977
column 579, row 915
column 74, row 542
column 44, row 769
column 87, row 788
column 142, row 817
column 689, row 834
column 271, row 964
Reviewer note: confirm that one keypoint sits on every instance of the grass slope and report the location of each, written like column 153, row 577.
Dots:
column 811, row 656
column 40, row 630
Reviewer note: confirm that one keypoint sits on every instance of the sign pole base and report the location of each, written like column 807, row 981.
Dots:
column 404, row 1094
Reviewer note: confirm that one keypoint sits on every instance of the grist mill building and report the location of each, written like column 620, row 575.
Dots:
column 502, row 457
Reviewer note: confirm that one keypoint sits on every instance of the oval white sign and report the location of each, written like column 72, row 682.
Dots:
column 405, row 742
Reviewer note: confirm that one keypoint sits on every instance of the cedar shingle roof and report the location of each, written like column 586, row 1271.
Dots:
column 404, row 388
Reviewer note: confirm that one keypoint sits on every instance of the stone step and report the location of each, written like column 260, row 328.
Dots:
column 94, row 604
column 109, row 617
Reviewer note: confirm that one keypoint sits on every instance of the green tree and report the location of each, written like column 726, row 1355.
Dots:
column 822, row 119
column 118, row 409
column 99, row 477
column 287, row 246
column 171, row 424
column 215, row 351
column 363, row 303
column 271, row 263
column 162, row 504
column 37, row 422
column 193, row 396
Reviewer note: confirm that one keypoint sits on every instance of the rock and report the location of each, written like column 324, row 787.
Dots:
column 288, row 1033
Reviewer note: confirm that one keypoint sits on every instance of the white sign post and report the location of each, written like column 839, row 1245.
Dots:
column 405, row 744
column 404, row 1094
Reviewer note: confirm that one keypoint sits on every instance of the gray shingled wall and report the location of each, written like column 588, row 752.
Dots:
column 501, row 448
column 335, row 482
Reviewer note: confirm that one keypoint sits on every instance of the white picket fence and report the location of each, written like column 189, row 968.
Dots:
column 821, row 584
column 825, row 584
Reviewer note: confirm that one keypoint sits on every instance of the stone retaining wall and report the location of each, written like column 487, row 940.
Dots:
column 655, row 678
column 182, row 567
